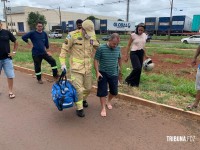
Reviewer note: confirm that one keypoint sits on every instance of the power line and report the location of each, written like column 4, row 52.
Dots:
column 97, row 5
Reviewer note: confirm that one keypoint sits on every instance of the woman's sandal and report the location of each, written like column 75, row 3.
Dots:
column 11, row 95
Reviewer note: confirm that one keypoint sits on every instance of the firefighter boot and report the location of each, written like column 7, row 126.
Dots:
column 80, row 113
column 85, row 104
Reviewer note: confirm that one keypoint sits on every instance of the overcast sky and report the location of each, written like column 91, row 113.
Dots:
column 139, row 9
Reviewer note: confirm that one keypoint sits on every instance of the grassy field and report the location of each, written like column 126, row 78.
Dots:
column 162, row 88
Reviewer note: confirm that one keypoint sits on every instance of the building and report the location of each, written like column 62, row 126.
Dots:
column 161, row 26
column 17, row 17
column 109, row 26
column 151, row 24
column 181, row 24
column 196, row 23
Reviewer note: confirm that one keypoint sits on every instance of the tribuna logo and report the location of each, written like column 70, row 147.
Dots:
column 180, row 138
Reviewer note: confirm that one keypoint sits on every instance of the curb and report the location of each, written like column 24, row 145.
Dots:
column 160, row 107
column 30, row 71
column 136, row 100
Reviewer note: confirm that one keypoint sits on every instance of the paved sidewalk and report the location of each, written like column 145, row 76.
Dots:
column 32, row 122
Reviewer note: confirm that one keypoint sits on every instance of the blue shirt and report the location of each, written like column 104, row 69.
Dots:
column 108, row 59
column 40, row 42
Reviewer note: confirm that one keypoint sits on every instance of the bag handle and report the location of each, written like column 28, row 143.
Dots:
column 63, row 75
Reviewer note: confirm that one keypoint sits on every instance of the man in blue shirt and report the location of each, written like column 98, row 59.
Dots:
column 107, row 64
column 40, row 43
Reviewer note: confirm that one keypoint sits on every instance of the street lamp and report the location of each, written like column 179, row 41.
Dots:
column 170, row 22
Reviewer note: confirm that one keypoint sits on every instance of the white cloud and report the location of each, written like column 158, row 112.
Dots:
column 139, row 9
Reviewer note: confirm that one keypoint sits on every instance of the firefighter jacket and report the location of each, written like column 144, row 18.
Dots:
column 80, row 50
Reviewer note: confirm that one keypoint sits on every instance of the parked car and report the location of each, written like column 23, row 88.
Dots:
column 55, row 35
column 149, row 37
column 191, row 39
column 105, row 38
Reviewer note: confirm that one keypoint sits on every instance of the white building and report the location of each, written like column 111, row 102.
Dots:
column 17, row 17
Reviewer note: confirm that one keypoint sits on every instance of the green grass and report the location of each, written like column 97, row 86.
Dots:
column 163, row 50
column 173, row 61
column 23, row 57
column 178, row 45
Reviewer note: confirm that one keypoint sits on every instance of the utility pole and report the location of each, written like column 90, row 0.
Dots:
column 127, row 10
column 60, row 16
column 170, row 22
column 5, row 14
column 9, row 12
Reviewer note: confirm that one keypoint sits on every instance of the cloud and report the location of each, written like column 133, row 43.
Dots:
column 139, row 9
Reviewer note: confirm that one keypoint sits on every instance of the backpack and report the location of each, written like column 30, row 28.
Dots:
column 64, row 93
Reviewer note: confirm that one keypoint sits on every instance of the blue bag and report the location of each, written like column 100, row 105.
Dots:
column 64, row 93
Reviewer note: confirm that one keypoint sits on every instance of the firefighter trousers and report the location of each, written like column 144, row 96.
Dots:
column 83, row 85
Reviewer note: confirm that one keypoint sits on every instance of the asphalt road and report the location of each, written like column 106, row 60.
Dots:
column 32, row 122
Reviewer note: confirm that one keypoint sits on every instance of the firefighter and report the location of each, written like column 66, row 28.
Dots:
column 80, row 44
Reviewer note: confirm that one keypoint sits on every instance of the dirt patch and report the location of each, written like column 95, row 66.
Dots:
column 170, row 64
column 55, row 48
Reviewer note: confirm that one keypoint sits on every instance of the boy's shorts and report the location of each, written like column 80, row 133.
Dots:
column 7, row 66
column 103, row 83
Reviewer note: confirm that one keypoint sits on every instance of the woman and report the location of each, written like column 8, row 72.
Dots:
column 137, row 43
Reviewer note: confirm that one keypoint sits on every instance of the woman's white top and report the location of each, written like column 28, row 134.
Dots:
column 139, row 41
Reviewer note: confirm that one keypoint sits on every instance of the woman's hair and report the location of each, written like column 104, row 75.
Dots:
column 139, row 25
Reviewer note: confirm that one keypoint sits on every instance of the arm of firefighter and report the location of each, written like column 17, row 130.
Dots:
column 95, row 42
column 95, row 46
column 66, row 46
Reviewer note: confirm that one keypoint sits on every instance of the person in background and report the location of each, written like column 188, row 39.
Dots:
column 107, row 64
column 79, row 24
column 6, row 57
column 197, row 99
column 40, row 43
column 80, row 44
column 136, row 45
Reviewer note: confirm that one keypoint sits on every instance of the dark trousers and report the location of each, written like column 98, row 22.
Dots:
column 136, row 60
column 37, row 64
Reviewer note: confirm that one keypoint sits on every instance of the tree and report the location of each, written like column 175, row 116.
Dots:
column 92, row 18
column 33, row 18
column 120, row 20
